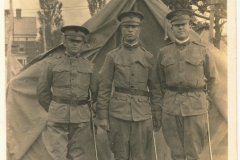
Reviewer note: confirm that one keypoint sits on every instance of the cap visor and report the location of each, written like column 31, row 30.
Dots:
column 131, row 23
column 180, row 22
column 78, row 38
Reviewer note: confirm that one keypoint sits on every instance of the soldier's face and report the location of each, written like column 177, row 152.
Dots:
column 181, row 31
column 130, row 33
column 73, row 45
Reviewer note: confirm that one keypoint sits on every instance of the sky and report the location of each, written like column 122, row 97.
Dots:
column 73, row 11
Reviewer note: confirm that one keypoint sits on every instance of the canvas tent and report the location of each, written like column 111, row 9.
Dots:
column 205, row 34
column 26, row 119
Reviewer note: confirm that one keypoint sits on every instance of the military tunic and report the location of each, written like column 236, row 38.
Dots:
column 184, row 114
column 187, row 65
column 67, row 77
column 130, row 67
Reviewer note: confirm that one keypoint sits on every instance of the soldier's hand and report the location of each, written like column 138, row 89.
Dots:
column 104, row 124
column 157, row 125
column 209, row 103
column 209, row 106
column 157, row 122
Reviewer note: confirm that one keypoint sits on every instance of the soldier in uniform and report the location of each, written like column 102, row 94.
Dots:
column 184, row 68
column 126, row 115
column 63, row 92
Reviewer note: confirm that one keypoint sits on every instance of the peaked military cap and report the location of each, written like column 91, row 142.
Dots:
column 130, row 18
column 179, row 16
column 74, row 32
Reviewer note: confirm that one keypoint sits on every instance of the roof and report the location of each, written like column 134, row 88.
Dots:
column 25, row 26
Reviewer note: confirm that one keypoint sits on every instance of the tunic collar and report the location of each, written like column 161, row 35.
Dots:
column 183, row 43
column 70, row 56
column 131, row 46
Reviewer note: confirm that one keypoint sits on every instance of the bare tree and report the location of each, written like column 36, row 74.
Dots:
column 51, row 21
column 95, row 5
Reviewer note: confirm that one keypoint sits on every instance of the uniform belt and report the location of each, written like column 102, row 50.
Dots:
column 181, row 89
column 131, row 91
column 72, row 101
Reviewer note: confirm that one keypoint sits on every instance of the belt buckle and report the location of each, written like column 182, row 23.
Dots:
column 74, row 102
column 180, row 89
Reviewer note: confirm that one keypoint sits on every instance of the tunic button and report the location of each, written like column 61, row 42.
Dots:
column 132, row 74
column 131, row 97
column 132, row 86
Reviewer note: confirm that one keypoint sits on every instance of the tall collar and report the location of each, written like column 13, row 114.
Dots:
column 71, row 56
column 131, row 46
column 184, row 42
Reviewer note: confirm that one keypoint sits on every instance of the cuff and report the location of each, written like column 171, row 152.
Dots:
column 157, row 115
column 102, row 114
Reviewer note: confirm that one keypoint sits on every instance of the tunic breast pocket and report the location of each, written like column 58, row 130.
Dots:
column 194, row 69
column 61, row 76
column 142, row 71
column 84, row 77
column 122, row 71
column 169, row 68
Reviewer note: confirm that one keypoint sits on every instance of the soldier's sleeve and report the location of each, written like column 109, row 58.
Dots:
column 94, row 84
column 161, row 73
column 211, row 74
column 44, row 92
column 105, row 87
column 154, row 87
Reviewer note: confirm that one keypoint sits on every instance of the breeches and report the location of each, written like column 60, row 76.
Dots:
column 69, row 141
column 130, row 139
column 184, row 135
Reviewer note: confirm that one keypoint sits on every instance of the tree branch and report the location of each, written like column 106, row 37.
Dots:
column 222, row 23
column 207, row 18
column 198, row 15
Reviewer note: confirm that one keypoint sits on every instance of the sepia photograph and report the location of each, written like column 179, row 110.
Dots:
column 119, row 80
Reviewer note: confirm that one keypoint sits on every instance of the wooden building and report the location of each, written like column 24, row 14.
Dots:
column 24, row 37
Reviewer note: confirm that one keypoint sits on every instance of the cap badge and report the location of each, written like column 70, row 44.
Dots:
column 179, row 13
column 131, row 16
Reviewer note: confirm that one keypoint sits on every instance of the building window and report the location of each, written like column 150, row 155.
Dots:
column 22, row 60
column 21, row 48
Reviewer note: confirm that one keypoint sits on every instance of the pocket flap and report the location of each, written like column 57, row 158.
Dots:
column 194, row 94
column 195, row 61
column 84, row 70
column 120, row 98
column 167, row 62
column 143, row 99
column 144, row 64
column 60, row 69
column 124, row 63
